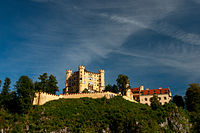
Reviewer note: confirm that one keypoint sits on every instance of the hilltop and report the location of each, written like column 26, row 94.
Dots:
column 101, row 115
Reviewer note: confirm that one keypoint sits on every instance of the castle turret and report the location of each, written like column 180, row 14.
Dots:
column 101, row 80
column 81, row 77
column 68, row 75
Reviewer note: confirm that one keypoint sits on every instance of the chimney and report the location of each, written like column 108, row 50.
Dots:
column 160, row 87
column 147, row 88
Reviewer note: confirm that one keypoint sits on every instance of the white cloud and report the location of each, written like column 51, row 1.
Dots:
column 82, row 32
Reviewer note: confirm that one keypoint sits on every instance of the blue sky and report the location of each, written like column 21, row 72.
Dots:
column 156, row 43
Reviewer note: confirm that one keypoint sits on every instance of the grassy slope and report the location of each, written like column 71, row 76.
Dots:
column 89, row 115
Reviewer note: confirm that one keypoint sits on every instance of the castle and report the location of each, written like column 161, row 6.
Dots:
column 94, row 83
column 82, row 80
column 144, row 96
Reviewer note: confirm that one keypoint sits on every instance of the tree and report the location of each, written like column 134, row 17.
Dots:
column 85, row 91
column 108, row 87
column 111, row 88
column 155, row 102
column 5, row 95
column 178, row 100
column 192, row 98
column 43, row 82
column 37, row 86
column 47, row 84
column 25, row 93
column 52, row 85
column 123, row 83
column 115, row 89
column 192, row 101
column 6, row 86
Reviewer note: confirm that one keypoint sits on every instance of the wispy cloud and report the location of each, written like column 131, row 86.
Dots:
column 162, row 28
column 81, row 32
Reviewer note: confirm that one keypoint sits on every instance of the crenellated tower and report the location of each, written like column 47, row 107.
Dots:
column 68, row 79
column 101, row 80
column 82, row 79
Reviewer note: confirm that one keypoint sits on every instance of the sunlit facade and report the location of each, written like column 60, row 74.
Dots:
column 82, row 79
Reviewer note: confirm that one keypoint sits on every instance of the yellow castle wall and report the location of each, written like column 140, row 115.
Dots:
column 80, row 80
column 42, row 98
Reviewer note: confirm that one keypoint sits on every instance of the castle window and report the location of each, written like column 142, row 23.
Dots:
column 90, row 78
column 165, row 98
column 159, row 98
column 145, row 99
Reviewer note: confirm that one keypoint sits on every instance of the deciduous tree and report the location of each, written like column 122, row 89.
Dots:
column 123, row 83
column 192, row 98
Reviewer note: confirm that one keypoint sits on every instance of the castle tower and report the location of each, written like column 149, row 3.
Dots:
column 81, row 77
column 68, row 76
column 101, row 80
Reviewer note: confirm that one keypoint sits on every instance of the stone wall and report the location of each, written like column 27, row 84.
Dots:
column 42, row 97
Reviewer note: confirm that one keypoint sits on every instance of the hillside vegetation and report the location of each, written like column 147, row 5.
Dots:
column 99, row 115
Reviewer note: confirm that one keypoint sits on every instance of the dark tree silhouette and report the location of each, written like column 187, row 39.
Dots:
column 123, row 83
column 178, row 100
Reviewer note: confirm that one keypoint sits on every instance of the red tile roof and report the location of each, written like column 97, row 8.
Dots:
column 155, row 91
column 135, row 90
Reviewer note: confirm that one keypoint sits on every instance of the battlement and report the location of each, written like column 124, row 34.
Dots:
column 68, row 71
column 101, row 71
column 81, row 67
column 43, row 97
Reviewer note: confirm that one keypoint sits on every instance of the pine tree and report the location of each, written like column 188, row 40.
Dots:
column 43, row 82
column 52, row 85
column 5, row 95
column 25, row 92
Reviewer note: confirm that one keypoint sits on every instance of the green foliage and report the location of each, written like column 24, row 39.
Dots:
column 111, row 88
column 178, row 100
column 108, row 87
column 85, row 91
column 155, row 104
column 5, row 96
column 6, row 87
column 52, row 85
column 96, row 115
column 43, row 82
column 47, row 84
column 115, row 89
column 25, row 92
column 123, row 83
column 192, row 98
